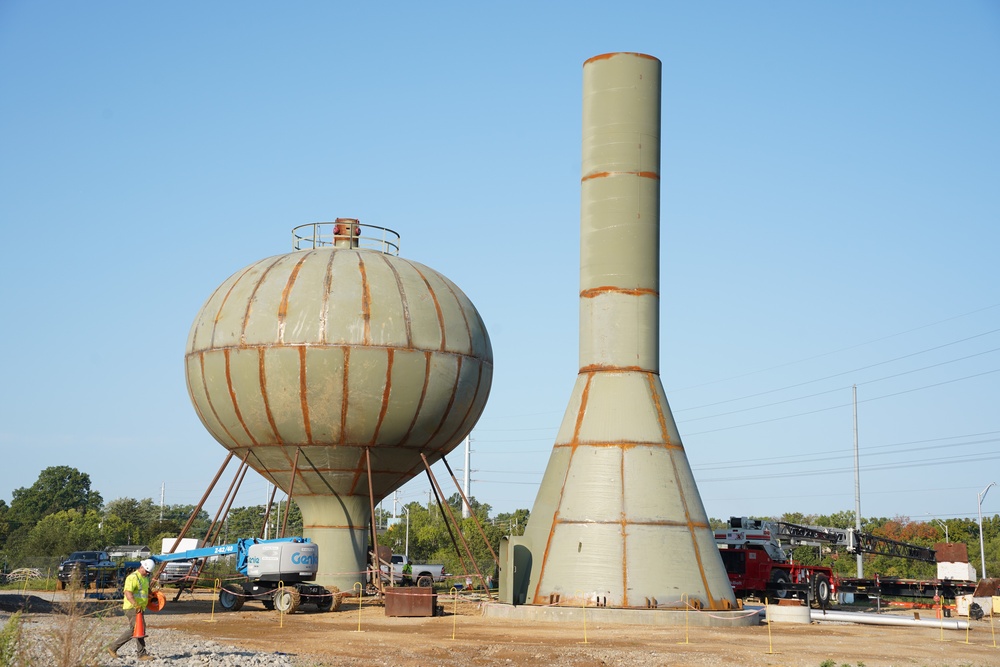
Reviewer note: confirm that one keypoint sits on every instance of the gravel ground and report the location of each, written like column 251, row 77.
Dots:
column 51, row 637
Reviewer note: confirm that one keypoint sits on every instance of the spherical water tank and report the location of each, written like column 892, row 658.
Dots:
column 310, row 359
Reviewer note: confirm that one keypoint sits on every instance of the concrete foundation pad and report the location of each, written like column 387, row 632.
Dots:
column 665, row 617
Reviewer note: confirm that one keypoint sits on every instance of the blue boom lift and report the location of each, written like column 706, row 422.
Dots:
column 277, row 571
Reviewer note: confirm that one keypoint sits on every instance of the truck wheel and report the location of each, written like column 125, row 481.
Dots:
column 60, row 585
column 231, row 600
column 425, row 580
column 779, row 583
column 286, row 600
column 821, row 590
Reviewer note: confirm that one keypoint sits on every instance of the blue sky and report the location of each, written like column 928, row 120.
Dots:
column 830, row 203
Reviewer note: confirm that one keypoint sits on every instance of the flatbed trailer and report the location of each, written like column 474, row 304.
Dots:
column 910, row 588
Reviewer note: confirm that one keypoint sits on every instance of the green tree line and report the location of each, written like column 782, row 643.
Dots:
column 61, row 513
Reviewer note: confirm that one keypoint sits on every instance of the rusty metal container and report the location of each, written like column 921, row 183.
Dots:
column 406, row 601
column 305, row 363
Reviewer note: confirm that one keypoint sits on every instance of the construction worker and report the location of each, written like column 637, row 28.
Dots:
column 136, row 591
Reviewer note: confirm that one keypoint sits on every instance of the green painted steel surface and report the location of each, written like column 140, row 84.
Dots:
column 618, row 520
column 331, row 352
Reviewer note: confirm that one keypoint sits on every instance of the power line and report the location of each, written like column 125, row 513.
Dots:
column 844, row 349
column 843, row 405
column 855, row 370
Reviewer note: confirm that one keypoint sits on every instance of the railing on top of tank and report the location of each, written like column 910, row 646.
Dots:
column 339, row 234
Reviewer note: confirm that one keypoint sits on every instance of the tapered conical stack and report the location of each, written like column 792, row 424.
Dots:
column 618, row 518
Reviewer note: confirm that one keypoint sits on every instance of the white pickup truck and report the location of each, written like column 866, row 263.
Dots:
column 420, row 574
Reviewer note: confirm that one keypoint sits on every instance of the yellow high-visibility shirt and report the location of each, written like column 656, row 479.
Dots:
column 139, row 586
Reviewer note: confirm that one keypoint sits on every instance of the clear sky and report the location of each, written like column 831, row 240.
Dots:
column 830, row 208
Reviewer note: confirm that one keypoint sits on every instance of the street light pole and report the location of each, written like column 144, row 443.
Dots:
column 982, row 548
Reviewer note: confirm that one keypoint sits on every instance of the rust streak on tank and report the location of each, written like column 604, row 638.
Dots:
column 451, row 403
column 262, row 376
column 211, row 405
column 423, row 395
column 624, row 529
column 253, row 293
column 612, row 174
column 218, row 314
column 591, row 292
column 609, row 56
column 437, row 307
column 283, row 304
column 304, row 394
column 343, row 397
column 324, row 312
column 562, row 489
column 232, row 397
column 402, row 297
column 366, row 302
column 386, row 391
column 606, row 368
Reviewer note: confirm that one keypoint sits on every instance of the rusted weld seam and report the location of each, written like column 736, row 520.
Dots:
column 283, row 305
column 253, row 293
column 211, row 404
column 222, row 306
column 607, row 368
column 385, row 395
column 585, row 395
column 609, row 56
column 304, row 395
column 262, row 375
column 451, row 404
column 343, row 396
column 423, row 395
column 624, row 529
column 618, row 522
column 366, row 302
column 327, row 289
column 609, row 174
column 591, row 292
column 619, row 445
column 437, row 307
column 236, row 403
column 402, row 297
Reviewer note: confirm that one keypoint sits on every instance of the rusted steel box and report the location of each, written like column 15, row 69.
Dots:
column 410, row 601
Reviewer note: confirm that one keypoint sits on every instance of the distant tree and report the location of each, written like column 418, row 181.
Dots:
column 60, row 533
column 58, row 488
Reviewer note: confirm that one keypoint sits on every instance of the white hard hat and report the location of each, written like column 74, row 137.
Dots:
column 148, row 565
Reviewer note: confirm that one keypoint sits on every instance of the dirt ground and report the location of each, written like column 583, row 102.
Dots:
column 356, row 636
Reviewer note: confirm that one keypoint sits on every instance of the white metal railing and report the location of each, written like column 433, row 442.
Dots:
column 345, row 233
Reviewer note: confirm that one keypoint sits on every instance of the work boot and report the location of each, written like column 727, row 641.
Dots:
column 145, row 657
column 110, row 651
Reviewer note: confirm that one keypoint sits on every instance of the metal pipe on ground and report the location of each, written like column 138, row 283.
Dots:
column 872, row 619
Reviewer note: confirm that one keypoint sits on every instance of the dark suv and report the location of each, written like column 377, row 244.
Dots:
column 92, row 569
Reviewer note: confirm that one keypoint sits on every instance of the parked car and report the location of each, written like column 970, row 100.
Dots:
column 421, row 574
column 91, row 569
column 176, row 571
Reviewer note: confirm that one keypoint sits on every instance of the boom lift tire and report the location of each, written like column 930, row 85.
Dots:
column 286, row 600
column 331, row 603
column 779, row 581
column 230, row 600
column 821, row 590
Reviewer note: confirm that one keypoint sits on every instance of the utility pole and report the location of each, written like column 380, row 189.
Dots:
column 465, row 508
column 857, row 482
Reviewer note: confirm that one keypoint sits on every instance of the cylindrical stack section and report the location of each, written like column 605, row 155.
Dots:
column 618, row 519
column 620, row 214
